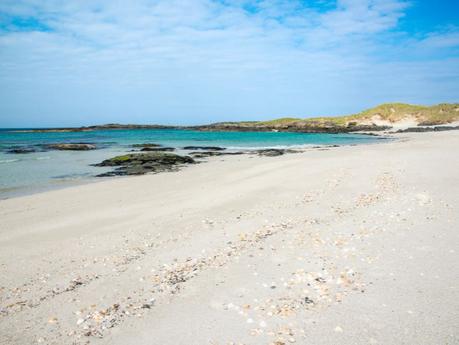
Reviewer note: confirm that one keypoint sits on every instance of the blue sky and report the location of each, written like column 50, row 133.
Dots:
column 72, row 63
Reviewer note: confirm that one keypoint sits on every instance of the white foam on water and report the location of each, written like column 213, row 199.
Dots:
column 9, row 160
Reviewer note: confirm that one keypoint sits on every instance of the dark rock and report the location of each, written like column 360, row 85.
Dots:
column 370, row 134
column 428, row 129
column 146, row 145
column 274, row 152
column 205, row 154
column 142, row 163
column 271, row 152
column 209, row 148
column 156, row 149
column 363, row 128
column 144, row 158
column 300, row 127
column 109, row 174
column 21, row 150
column 71, row 146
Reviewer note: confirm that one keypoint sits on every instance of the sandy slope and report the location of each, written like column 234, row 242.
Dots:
column 351, row 245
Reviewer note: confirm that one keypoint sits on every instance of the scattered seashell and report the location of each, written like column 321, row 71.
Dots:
column 52, row 320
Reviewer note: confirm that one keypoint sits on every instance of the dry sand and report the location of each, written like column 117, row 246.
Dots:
column 350, row 245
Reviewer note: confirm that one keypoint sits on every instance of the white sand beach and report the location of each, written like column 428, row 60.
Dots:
column 346, row 245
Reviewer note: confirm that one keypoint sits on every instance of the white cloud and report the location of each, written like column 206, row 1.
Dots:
column 446, row 39
column 275, row 57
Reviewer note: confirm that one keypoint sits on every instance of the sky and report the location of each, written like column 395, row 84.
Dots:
column 75, row 63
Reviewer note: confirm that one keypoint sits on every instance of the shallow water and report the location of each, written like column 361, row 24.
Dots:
column 27, row 173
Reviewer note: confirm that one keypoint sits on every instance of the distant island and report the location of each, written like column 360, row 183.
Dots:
column 383, row 117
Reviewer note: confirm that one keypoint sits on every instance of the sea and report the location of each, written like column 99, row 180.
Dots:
column 29, row 173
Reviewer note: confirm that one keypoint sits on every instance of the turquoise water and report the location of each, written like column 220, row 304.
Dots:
column 27, row 173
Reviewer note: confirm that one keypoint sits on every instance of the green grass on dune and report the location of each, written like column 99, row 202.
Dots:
column 281, row 121
column 392, row 112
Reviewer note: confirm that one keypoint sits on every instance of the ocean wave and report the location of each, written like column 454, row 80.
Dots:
column 9, row 160
column 42, row 158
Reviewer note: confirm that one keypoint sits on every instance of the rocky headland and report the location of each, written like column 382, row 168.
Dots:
column 385, row 117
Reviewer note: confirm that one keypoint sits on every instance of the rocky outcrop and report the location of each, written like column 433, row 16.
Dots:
column 207, row 148
column 21, row 150
column 299, row 127
column 142, row 163
column 428, row 129
column 264, row 152
column 71, row 146
column 145, row 145
column 274, row 152
column 152, row 147
column 110, row 126
column 205, row 154
column 54, row 146
column 158, row 149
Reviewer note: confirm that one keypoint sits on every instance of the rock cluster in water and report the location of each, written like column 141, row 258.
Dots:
column 207, row 148
column 263, row 152
column 54, row 146
column 144, row 145
column 72, row 146
column 142, row 163
column 152, row 147
column 158, row 149
column 21, row 150
column 152, row 159
column 204, row 154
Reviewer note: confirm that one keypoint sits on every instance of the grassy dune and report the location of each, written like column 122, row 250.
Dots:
column 390, row 112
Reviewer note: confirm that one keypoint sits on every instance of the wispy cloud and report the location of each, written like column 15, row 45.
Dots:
column 202, row 60
column 445, row 39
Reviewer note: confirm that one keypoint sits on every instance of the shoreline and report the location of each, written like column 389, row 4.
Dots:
column 352, row 245
column 56, row 184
